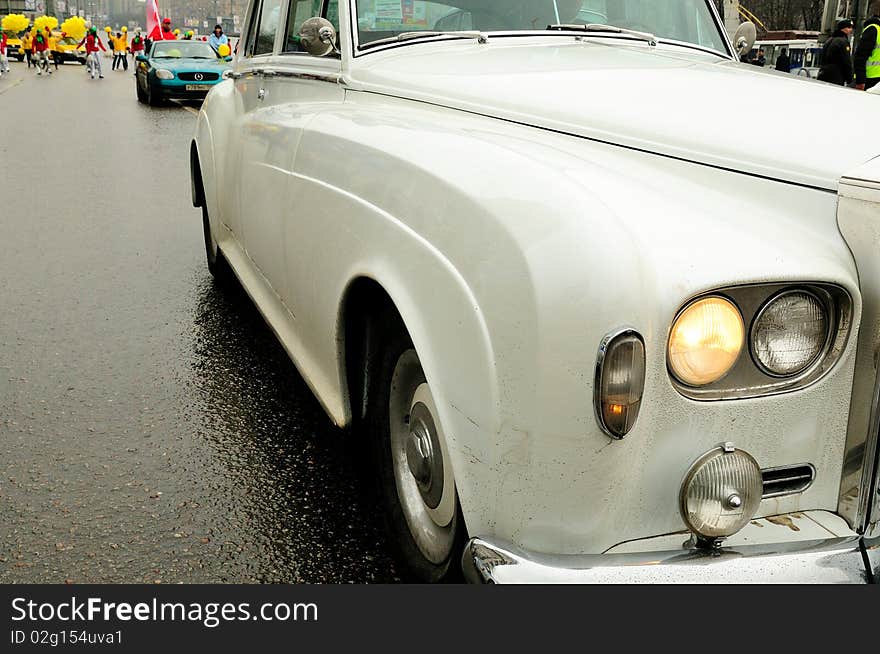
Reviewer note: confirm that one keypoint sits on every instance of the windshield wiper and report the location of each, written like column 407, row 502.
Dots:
column 598, row 27
column 408, row 36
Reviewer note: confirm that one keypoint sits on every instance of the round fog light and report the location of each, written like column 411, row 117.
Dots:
column 721, row 493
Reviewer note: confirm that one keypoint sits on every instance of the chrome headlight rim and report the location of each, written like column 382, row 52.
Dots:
column 831, row 326
column 746, row 380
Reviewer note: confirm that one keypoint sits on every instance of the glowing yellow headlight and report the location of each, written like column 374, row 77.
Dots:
column 706, row 341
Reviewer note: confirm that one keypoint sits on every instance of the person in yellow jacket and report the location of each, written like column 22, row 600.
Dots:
column 120, row 48
column 867, row 53
column 27, row 44
column 53, row 47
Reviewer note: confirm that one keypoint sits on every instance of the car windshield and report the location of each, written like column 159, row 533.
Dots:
column 68, row 40
column 688, row 21
column 181, row 49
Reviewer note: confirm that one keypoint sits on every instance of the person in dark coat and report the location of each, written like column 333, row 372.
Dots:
column 837, row 63
column 783, row 62
column 869, row 42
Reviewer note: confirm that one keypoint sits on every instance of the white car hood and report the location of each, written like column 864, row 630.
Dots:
column 667, row 100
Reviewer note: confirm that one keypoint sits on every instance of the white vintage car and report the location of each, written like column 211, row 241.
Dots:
column 594, row 324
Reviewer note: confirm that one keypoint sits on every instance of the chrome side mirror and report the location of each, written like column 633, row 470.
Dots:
column 745, row 37
column 318, row 37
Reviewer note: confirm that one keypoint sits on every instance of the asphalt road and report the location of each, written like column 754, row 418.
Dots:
column 151, row 428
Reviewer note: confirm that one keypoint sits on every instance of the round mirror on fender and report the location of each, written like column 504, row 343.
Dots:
column 745, row 37
column 318, row 37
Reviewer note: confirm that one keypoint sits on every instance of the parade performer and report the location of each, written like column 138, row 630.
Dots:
column 27, row 44
column 41, row 52
column 53, row 47
column 92, row 43
column 137, row 45
column 4, row 60
column 120, row 60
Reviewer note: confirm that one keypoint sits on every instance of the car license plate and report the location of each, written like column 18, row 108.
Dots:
column 198, row 87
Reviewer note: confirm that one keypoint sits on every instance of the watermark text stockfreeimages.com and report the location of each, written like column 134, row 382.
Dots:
column 209, row 614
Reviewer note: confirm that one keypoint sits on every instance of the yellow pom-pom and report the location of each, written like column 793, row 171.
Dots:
column 14, row 23
column 124, row 29
column 75, row 27
column 107, row 29
column 224, row 50
column 177, row 32
column 41, row 23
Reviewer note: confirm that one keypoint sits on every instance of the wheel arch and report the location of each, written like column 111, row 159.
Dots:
column 457, row 362
column 197, row 185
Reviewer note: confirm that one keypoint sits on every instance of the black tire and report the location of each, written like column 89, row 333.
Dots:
column 142, row 97
column 82, row 62
column 413, row 564
column 217, row 264
column 154, row 98
column 20, row 58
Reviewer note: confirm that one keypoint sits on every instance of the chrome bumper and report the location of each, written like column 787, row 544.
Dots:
column 837, row 560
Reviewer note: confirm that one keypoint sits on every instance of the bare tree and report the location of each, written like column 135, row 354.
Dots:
column 787, row 14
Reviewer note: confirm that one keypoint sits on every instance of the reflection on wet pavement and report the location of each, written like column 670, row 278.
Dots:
column 151, row 427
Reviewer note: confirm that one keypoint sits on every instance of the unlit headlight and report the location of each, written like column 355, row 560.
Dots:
column 790, row 333
column 620, row 382
column 721, row 493
column 162, row 73
column 705, row 341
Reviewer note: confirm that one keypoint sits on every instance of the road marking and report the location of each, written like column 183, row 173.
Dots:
column 14, row 84
column 187, row 107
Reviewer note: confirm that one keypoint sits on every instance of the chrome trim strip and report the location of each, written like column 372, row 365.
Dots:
column 315, row 77
column 836, row 560
column 859, row 225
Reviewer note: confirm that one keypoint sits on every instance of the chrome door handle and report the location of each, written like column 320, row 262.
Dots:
column 261, row 94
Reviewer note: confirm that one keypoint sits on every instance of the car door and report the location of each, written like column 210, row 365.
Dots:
column 296, row 87
column 265, row 152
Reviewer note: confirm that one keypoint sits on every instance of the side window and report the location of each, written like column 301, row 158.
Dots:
column 301, row 11
column 333, row 14
column 252, row 31
column 262, row 39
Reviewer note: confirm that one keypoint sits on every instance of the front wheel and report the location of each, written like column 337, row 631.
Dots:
column 141, row 96
column 154, row 98
column 217, row 265
column 416, row 482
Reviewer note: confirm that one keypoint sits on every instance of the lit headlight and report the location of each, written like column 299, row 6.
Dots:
column 789, row 333
column 163, row 73
column 705, row 341
column 721, row 493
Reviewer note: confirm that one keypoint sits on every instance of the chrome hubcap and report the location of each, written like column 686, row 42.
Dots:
column 423, row 455
column 422, row 474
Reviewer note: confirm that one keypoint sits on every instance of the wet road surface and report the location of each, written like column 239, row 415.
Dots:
column 151, row 427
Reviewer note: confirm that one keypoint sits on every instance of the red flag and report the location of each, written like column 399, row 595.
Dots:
column 153, row 21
